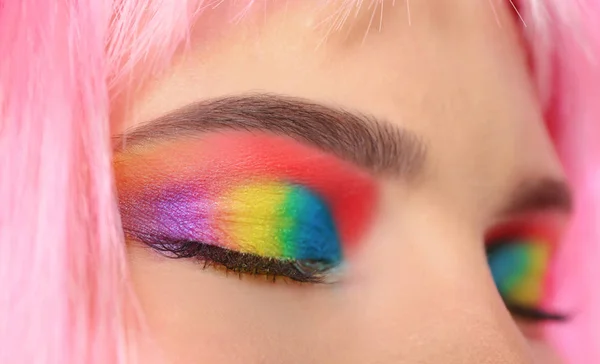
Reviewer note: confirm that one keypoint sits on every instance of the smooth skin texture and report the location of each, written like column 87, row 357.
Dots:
column 419, row 289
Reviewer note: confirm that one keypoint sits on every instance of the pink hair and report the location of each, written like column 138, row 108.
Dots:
column 65, row 298
column 571, row 52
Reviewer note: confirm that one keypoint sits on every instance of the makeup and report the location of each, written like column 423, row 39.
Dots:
column 520, row 260
column 280, row 220
column 519, row 267
column 258, row 194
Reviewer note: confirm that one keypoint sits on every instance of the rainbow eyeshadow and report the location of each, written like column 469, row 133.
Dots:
column 279, row 220
column 263, row 195
column 519, row 268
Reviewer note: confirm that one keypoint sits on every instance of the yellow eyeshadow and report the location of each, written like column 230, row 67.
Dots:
column 529, row 291
column 257, row 218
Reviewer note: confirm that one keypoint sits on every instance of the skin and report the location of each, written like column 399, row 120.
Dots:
column 418, row 290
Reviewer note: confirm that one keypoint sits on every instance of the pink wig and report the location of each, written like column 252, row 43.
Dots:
column 65, row 297
column 570, row 52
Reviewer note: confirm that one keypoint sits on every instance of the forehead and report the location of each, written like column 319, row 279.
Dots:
column 453, row 72
column 343, row 38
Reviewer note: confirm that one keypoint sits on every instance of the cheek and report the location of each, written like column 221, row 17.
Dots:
column 543, row 353
column 188, row 319
column 204, row 316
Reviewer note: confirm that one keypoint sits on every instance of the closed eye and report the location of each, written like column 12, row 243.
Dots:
column 252, row 204
column 519, row 263
column 272, row 229
column 304, row 271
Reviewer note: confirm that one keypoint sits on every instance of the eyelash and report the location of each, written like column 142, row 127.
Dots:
column 527, row 312
column 302, row 271
column 536, row 315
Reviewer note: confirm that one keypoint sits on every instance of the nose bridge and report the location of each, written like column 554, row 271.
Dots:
column 426, row 291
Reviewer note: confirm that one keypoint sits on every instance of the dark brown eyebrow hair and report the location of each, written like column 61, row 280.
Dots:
column 364, row 140
column 541, row 194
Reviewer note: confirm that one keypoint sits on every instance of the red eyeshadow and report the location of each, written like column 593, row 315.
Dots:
column 224, row 159
column 544, row 227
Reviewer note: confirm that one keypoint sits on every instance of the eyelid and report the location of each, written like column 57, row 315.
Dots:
column 260, row 228
column 221, row 161
column 520, row 255
column 547, row 225
column 252, row 204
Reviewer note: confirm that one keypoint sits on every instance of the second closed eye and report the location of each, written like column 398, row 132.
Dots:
column 268, row 204
column 520, row 256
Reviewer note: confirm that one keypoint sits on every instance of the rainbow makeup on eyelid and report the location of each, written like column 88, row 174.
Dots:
column 519, row 270
column 264, row 195
column 520, row 264
column 292, row 222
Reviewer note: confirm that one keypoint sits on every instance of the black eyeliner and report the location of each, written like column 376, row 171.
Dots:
column 535, row 314
column 244, row 263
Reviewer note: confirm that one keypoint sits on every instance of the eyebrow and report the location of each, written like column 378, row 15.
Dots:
column 368, row 142
column 543, row 194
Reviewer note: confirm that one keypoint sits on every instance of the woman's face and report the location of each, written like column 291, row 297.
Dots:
column 374, row 158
